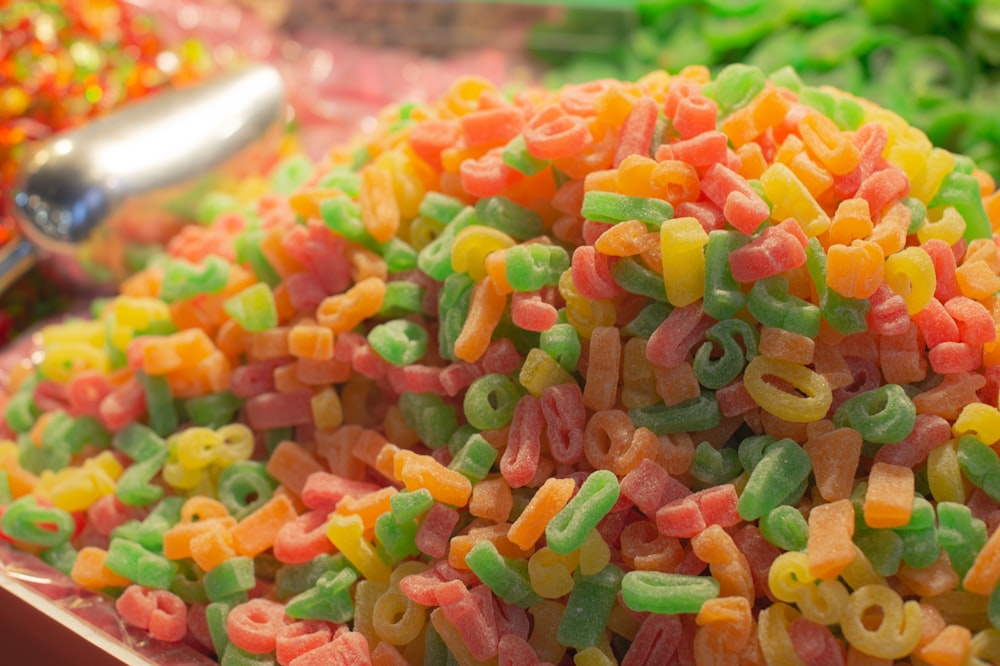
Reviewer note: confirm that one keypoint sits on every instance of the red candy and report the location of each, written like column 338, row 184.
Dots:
column 254, row 626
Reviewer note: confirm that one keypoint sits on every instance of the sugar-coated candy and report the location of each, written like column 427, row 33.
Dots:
column 684, row 368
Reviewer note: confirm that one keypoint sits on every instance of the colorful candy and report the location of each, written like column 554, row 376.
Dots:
column 595, row 384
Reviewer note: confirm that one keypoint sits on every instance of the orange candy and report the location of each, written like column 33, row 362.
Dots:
column 889, row 500
column 546, row 503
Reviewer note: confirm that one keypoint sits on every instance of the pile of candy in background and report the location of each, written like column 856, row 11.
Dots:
column 695, row 367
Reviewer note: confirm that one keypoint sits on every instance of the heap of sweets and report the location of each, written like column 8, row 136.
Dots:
column 681, row 370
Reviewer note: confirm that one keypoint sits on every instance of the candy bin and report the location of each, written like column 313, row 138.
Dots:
column 522, row 365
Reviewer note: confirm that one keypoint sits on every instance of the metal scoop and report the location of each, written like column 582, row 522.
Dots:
column 92, row 202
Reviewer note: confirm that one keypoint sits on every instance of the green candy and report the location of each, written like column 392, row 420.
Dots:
column 294, row 579
column 882, row 416
column 474, row 459
column 231, row 579
column 212, row 410
column 248, row 251
column 21, row 412
column 531, row 267
column 919, row 535
column 244, row 487
column 291, row 173
column 329, row 600
column 667, row 593
column 395, row 540
column 183, row 280
column 781, row 470
column 562, row 342
column 453, row 309
column 400, row 341
column 434, row 259
column 509, row 217
column 46, row 526
column 771, row 305
column 253, row 308
column 716, row 372
column 490, row 401
column 723, row 295
column 699, row 413
column 401, row 298
column 149, row 532
column 588, row 607
column 6, row 496
column 785, row 527
column 407, row 506
column 648, row 320
column 163, row 417
column 189, row 583
column 139, row 565
column 61, row 557
column 569, row 528
column 507, row 578
column 734, row 87
column 215, row 615
column 611, row 208
column 343, row 179
column 517, row 157
column 960, row 534
column 713, row 467
column 980, row 464
column 883, row 548
column 135, row 487
column 234, row 656
column 427, row 413
column 635, row 278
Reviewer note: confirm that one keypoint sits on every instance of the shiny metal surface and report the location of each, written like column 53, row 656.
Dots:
column 95, row 200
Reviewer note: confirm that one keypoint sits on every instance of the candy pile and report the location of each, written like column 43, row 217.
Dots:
column 936, row 67
column 682, row 370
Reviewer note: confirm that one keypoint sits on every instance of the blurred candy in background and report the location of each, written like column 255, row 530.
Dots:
column 935, row 64
column 62, row 64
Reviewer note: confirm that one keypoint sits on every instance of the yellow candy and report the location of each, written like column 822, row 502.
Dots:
column 422, row 231
column 63, row 361
column 978, row 419
column 74, row 331
column 347, row 534
column 860, row 572
column 910, row 273
column 396, row 618
column 899, row 631
column 811, row 406
column 792, row 199
column 583, row 313
column 791, row 580
column 949, row 227
column 541, row 371
column 76, row 488
column 551, row 574
column 198, row 448
column 327, row 410
column 944, row 474
column 237, row 444
column 472, row 245
column 772, row 633
column 593, row 656
column 594, row 554
column 682, row 243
